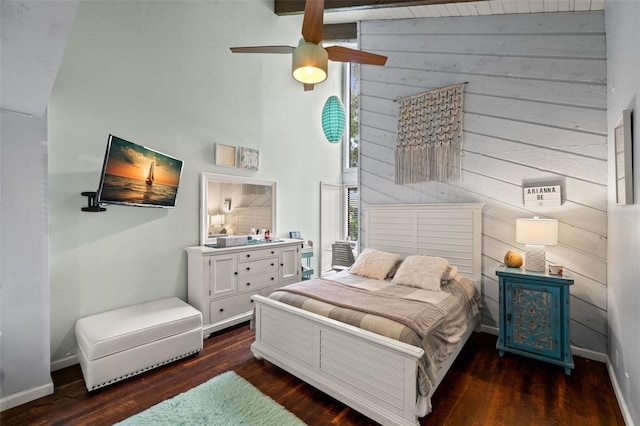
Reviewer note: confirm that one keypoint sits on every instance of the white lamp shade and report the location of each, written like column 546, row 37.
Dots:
column 535, row 231
column 309, row 63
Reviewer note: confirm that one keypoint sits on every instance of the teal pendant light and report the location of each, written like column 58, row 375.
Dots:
column 333, row 119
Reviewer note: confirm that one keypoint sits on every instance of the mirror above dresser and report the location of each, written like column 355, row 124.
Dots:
column 235, row 205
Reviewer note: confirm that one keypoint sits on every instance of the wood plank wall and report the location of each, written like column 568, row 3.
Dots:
column 534, row 113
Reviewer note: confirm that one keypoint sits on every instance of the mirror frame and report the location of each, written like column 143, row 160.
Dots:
column 205, row 178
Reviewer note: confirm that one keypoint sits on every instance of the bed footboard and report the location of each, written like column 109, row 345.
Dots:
column 370, row 373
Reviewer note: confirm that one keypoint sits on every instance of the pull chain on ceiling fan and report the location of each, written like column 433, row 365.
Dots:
column 309, row 58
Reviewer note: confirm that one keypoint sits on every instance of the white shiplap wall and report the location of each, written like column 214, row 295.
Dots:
column 534, row 113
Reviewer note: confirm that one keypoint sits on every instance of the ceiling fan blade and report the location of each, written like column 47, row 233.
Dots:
column 312, row 22
column 308, row 87
column 263, row 49
column 344, row 54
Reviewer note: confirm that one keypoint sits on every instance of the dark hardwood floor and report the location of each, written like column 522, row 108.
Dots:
column 480, row 389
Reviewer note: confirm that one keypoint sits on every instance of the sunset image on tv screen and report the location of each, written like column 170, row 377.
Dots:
column 134, row 174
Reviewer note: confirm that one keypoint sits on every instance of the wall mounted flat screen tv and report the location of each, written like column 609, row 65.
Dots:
column 135, row 175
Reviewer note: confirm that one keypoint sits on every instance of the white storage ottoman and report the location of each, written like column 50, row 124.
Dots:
column 117, row 344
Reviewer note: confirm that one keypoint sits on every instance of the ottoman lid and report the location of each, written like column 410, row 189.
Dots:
column 113, row 331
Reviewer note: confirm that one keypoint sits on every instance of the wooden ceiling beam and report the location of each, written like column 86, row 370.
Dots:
column 293, row 7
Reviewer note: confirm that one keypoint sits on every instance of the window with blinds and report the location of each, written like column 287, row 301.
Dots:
column 352, row 213
column 353, row 94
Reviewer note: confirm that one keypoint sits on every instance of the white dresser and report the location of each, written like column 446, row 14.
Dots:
column 222, row 281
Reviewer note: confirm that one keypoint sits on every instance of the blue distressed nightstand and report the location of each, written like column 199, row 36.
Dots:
column 534, row 316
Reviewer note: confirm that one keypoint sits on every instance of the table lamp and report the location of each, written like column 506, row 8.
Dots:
column 536, row 233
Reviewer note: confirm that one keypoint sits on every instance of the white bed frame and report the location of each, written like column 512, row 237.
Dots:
column 370, row 373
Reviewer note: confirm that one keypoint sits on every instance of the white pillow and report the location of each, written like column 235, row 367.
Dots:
column 373, row 263
column 421, row 271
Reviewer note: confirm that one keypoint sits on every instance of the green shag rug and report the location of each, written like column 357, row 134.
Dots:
column 227, row 399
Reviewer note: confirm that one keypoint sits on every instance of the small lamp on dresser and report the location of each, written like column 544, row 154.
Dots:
column 536, row 233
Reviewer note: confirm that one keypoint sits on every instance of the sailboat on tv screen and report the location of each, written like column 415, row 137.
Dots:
column 150, row 176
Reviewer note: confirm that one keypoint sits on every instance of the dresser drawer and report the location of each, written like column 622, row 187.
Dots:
column 258, row 254
column 231, row 306
column 256, row 282
column 265, row 266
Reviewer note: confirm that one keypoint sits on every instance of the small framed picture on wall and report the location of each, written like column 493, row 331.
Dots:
column 249, row 158
column 225, row 155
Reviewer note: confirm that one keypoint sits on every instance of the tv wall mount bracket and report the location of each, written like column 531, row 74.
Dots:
column 92, row 205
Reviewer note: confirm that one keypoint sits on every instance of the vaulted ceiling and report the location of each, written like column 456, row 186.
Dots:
column 34, row 33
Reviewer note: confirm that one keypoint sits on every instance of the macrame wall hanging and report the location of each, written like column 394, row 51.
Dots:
column 430, row 136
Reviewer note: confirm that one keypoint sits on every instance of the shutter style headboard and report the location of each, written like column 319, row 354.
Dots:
column 449, row 230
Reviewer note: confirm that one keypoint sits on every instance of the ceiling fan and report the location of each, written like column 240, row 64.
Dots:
column 309, row 57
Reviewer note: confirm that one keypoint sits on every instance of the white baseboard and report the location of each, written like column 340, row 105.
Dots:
column 64, row 363
column 626, row 415
column 26, row 396
column 589, row 354
column 489, row 329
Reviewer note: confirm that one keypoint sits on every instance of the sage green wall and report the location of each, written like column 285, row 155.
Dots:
column 161, row 74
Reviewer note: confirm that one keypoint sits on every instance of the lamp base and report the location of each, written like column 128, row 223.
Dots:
column 534, row 258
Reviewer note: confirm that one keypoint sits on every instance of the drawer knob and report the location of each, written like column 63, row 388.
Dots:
column 251, row 300
column 248, row 269
column 235, row 273
column 272, row 264
column 272, row 252
column 272, row 278
column 248, row 283
column 248, row 255
column 221, row 310
column 282, row 264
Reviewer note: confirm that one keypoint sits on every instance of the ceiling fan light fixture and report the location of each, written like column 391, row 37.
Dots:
column 310, row 63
